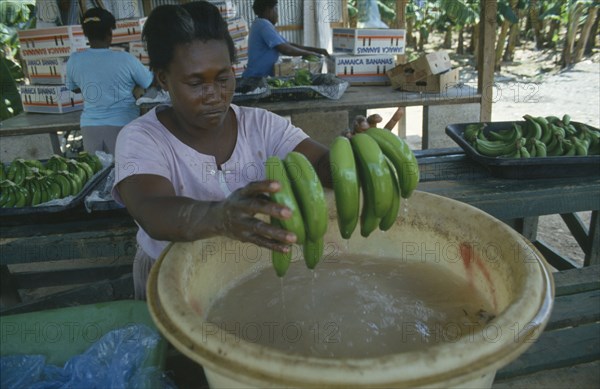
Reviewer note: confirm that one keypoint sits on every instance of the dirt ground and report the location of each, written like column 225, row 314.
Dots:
column 533, row 84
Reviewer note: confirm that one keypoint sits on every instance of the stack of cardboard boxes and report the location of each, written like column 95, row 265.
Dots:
column 46, row 51
column 429, row 73
column 238, row 29
column 363, row 56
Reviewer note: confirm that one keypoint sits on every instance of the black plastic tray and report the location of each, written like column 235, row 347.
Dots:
column 78, row 199
column 542, row 167
column 104, row 189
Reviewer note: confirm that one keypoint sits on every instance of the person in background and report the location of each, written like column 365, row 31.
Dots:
column 196, row 168
column 265, row 44
column 106, row 78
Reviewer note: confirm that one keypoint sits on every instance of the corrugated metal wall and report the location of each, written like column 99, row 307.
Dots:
column 290, row 13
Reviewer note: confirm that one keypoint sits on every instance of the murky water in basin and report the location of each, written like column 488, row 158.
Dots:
column 352, row 308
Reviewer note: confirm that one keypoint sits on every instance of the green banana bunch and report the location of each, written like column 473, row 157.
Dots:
column 17, row 171
column 12, row 195
column 92, row 160
column 56, row 163
column 542, row 136
column 345, row 185
column 308, row 191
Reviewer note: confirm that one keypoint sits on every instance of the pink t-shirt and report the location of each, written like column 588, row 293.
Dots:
column 145, row 146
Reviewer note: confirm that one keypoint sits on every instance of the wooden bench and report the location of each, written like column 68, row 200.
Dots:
column 567, row 354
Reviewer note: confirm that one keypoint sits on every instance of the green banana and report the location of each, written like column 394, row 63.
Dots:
column 389, row 219
column 313, row 251
column 54, row 189
column 309, row 193
column 581, row 146
column 502, row 135
column 566, row 119
column 569, row 148
column 524, row 152
column 368, row 220
column 36, row 194
column 275, row 170
column 345, row 185
column 65, row 185
column 21, row 197
column 534, row 127
column 473, row 131
column 401, row 156
column 11, row 197
column 545, row 126
column 531, row 147
column 281, row 261
column 540, row 148
column 495, row 148
column 5, row 191
column 374, row 173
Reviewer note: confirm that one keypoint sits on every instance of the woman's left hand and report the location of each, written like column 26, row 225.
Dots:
column 239, row 222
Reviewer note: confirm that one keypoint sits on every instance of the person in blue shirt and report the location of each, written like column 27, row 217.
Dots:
column 106, row 78
column 265, row 44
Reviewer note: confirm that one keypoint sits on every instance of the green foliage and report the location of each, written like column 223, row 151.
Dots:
column 506, row 12
column 14, row 15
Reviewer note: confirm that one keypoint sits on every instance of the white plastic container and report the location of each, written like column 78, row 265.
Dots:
column 503, row 267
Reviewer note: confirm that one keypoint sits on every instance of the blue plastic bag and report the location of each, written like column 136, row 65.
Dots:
column 114, row 361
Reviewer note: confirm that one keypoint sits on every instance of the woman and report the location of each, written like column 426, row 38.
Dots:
column 265, row 43
column 195, row 168
column 106, row 78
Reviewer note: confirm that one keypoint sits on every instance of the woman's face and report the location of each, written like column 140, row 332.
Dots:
column 201, row 82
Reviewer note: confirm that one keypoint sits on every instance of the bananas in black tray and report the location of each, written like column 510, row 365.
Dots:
column 537, row 136
column 26, row 182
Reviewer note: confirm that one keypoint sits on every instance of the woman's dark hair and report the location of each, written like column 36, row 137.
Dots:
column 97, row 23
column 260, row 6
column 170, row 25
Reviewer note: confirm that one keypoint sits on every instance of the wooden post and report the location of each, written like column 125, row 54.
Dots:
column 147, row 7
column 345, row 16
column 486, row 57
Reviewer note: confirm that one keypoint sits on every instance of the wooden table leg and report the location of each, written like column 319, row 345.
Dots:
column 9, row 295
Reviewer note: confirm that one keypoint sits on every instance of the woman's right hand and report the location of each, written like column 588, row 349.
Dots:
column 239, row 222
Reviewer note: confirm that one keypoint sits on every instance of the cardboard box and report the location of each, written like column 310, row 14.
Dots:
column 361, row 69
column 287, row 66
column 47, row 71
column 138, row 50
column 241, row 49
column 434, row 83
column 52, row 42
column 226, row 7
column 363, row 41
column 238, row 28
column 239, row 67
column 432, row 63
column 128, row 30
column 50, row 99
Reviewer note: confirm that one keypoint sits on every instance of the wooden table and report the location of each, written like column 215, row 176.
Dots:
column 356, row 100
